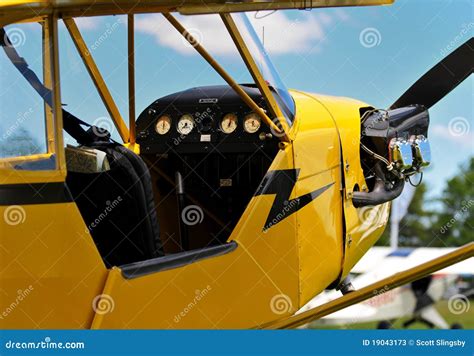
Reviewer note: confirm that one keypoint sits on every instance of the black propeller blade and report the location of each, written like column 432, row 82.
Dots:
column 441, row 79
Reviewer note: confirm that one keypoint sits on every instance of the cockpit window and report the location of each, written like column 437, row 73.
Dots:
column 24, row 140
column 270, row 74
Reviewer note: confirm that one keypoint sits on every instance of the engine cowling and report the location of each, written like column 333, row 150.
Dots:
column 394, row 146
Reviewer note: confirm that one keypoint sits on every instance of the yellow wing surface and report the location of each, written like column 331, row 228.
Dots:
column 29, row 8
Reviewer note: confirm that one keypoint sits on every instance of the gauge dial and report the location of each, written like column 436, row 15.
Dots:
column 185, row 124
column 163, row 124
column 252, row 123
column 205, row 123
column 229, row 123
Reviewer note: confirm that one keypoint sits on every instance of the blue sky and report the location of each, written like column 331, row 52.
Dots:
column 323, row 51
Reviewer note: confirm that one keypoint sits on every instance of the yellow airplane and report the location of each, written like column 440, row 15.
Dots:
column 225, row 207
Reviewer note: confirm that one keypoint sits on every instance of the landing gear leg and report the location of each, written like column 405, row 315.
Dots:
column 384, row 324
column 419, row 319
column 345, row 286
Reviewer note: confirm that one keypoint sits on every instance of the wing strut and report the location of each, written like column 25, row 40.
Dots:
column 382, row 286
column 97, row 78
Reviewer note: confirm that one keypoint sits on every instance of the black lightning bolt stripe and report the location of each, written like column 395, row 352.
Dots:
column 281, row 183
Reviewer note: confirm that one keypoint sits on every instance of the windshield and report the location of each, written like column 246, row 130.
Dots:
column 269, row 73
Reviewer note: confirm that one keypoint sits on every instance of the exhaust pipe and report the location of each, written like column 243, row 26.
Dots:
column 379, row 195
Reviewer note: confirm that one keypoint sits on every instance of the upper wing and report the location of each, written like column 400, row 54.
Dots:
column 104, row 7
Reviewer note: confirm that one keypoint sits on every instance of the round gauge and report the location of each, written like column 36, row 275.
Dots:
column 252, row 123
column 205, row 123
column 163, row 124
column 185, row 124
column 229, row 123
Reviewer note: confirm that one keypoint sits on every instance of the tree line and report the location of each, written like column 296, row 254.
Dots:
column 448, row 222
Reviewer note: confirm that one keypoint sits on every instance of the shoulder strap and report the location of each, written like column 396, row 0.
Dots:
column 71, row 124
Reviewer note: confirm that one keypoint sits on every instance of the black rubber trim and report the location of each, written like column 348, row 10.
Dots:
column 143, row 268
column 37, row 193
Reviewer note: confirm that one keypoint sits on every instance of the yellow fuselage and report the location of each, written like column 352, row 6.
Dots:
column 52, row 275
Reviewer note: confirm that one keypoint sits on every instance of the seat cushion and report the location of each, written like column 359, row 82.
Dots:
column 118, row 207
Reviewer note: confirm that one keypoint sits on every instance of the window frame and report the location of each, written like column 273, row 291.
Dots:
column 52, row 117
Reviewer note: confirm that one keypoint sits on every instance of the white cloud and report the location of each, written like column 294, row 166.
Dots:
column 341, row 14
column 207, row 29
column 282, row 34
column 325, row 18
column 88, row 23
column 464, row 139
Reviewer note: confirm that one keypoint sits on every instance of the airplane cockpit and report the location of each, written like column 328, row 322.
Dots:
column 205, row 136
column 207, row 151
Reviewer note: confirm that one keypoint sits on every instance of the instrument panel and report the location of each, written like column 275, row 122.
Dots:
column 203, row 119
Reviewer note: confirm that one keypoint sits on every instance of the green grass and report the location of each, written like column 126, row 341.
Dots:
column 466, row 319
